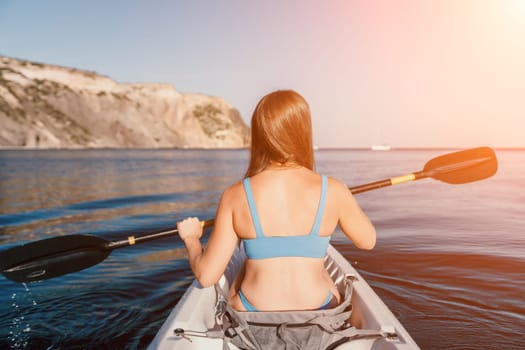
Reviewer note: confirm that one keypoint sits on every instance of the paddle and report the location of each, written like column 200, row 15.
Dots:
column 454, row 168
column 61, row 255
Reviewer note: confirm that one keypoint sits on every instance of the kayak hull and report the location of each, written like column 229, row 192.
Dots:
column 195, row 312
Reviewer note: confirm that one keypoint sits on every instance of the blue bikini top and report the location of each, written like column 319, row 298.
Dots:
column 265, row 247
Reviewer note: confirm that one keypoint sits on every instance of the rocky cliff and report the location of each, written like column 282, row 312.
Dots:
column 46, row 106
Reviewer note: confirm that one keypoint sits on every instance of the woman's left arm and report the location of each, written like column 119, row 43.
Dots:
column 209, row 264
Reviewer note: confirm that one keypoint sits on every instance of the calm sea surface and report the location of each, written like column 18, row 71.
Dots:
column 449, row 262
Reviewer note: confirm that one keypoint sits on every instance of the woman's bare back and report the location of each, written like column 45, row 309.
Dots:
column 287, row 202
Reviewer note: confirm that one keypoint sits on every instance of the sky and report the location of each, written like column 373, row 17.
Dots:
column 408, row 73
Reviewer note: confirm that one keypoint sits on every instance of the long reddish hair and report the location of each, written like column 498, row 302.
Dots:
column 281, row 132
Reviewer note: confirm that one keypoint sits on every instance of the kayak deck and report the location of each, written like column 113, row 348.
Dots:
column 194, row 312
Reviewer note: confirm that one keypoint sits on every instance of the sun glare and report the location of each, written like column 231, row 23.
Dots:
column 515, row 10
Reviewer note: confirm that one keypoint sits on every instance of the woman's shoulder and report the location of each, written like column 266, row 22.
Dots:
column 337, row 187
column 336, row 184
column 233, row 191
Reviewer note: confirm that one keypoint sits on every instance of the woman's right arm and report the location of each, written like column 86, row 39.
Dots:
column 353, row 221
column 209, row 264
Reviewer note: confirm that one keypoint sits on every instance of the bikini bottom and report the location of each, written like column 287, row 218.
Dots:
column 249, row 307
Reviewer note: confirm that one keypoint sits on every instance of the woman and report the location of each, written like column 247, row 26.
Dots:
column 284, row 212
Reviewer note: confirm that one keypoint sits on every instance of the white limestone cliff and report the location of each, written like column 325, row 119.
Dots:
column 46, row 106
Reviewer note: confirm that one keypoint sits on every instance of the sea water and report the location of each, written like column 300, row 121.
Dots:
column 449, row 260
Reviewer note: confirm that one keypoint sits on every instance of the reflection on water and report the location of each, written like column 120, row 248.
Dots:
column 460, row 295
column 92, row 187
column 449, row 259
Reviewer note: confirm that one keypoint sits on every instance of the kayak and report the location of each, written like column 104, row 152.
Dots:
column 194, row 314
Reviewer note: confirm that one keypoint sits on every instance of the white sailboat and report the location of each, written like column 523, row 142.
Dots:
column 381, row 147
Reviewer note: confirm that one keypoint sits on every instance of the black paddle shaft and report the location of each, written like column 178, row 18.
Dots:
column 58, row 256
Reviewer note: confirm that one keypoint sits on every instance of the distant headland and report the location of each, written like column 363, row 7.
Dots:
column 47, row 106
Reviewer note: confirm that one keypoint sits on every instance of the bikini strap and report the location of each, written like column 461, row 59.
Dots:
column 253, row 210
column 320, row 209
